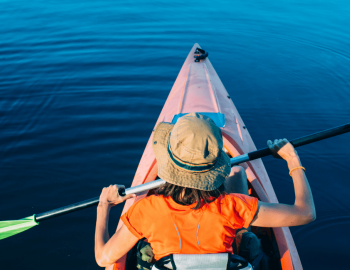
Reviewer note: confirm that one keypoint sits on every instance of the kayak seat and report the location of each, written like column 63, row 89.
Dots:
column 219, row 261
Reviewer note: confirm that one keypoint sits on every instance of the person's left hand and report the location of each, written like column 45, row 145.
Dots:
column 110, row 195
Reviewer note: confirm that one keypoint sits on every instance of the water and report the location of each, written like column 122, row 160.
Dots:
column 83, row 82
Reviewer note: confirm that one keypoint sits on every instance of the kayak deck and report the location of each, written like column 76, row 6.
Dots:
column 198, row 88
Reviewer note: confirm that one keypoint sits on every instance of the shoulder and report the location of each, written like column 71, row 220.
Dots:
column 142, row 214
column 237, row 209
column 148, row 204
column 153, row 200
column 241, row 201
column 234, row 204
column 240, row 198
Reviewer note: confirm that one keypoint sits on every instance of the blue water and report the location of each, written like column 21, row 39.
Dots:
column 82, row 84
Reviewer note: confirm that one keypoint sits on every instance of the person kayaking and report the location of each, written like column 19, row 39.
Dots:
column 204, row 201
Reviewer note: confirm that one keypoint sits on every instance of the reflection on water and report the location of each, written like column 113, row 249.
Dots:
column 82, row 84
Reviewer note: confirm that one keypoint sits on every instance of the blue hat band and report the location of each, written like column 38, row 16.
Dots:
column 188, row 167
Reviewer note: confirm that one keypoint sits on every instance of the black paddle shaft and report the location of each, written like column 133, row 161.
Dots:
column 71, row 208
column 154, row 184
column 94, row 201
column 304, row 140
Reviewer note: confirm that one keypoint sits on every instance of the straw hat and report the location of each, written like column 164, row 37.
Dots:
column 189, row 153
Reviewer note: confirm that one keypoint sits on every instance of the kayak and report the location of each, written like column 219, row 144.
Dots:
column 198, row 88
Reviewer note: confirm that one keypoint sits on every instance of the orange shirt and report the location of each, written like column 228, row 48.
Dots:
column 172, row 228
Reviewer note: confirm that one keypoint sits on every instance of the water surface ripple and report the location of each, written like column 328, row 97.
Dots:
column 83, row 82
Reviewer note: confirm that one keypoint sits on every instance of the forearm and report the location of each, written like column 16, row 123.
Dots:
column 303, row 196
column 101, row 232
column 282, row 215
column 108, row 250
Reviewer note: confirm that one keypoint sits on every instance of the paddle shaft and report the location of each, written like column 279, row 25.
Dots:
column 296, row 143
column 234, row 161
column 94, row 201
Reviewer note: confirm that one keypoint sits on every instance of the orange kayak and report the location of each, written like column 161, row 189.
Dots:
column 198, row 88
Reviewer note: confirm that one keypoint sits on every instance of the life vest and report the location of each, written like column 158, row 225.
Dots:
column 219, row 261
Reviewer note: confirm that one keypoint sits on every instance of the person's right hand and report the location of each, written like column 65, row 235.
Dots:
column 282, row 149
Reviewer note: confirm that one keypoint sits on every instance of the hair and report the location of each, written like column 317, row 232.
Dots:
column 188, row 196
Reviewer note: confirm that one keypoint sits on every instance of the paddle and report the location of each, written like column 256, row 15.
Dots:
column 325, row 134
column 12, row 227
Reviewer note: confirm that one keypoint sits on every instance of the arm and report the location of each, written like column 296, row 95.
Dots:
column 109, row 250
column 283, row 215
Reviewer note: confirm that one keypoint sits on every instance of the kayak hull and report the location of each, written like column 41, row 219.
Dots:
column 198, row 88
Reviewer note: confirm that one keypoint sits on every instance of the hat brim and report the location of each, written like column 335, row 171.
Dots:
column 171, row 173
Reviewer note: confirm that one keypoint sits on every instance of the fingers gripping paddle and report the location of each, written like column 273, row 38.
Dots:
column 12, row 227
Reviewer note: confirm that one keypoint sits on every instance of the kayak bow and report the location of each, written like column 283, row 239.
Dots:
column 199, row 89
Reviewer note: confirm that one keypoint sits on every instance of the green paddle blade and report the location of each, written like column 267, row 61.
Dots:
column 12, row 227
